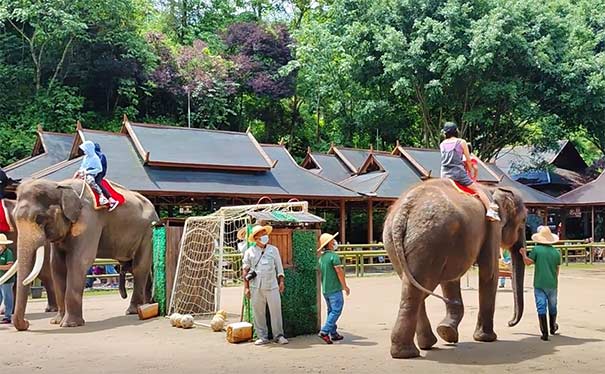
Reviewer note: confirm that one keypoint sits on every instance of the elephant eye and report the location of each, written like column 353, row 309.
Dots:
column 41, row 219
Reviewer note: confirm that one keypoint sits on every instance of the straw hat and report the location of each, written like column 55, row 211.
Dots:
column 4, row 240
column 544, row 236
column 257, row 229
column 324, row 239
column 241, row 233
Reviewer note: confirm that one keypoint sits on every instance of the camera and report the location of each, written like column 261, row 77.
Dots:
column 251, row 275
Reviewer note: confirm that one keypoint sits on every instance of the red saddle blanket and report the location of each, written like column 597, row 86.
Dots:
column 463, row 189
column 114, row 194
column 5, row 225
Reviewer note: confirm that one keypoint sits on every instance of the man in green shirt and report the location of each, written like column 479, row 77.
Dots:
column 7, row 259
column 547, row 260
column 333, row 282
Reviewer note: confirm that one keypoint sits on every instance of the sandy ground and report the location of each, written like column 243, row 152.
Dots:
column 113, row 343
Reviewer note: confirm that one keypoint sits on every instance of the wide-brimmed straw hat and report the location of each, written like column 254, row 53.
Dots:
column 4, row 240
column 241, row 233
column 324, row 239
column 544, row 236
column 258, row 228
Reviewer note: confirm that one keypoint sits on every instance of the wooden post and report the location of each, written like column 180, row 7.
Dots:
column 564, row 214
column 545, row 216
column 370, row 221
column 592, row 224
column 343, row 222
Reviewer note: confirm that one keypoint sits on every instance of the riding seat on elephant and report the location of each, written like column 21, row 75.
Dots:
column 433, row 234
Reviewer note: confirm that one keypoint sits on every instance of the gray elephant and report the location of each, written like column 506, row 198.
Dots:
column 45, row 272
column 433, row 235
column 54, row 212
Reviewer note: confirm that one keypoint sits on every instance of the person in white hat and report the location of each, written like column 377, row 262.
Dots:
column 547, row 260
column 264, row 284
column 333, row 282
column 7, row 259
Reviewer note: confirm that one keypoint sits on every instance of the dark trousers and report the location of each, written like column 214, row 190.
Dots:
column 98, row 180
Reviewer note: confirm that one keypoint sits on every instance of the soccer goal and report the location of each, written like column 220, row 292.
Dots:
column 209, row 257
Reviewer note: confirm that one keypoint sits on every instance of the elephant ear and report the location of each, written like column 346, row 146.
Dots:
column 70, row 203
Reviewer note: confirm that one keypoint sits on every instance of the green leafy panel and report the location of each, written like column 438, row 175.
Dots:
column 299, row 306
column 159, row 268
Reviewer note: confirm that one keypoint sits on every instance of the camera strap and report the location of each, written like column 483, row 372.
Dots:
column 261, row 256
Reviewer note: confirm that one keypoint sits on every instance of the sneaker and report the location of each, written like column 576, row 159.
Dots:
column 112, row 204
column 492, row 215
column 336, row 337
column 282, row 340
column 325, row 338
column 103, row 200
column 261, row 342
column 5, row 321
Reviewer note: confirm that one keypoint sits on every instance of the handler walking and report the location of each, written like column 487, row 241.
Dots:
column 333, row 282
column 547, row 260
column 7, row 259
column 263, row 284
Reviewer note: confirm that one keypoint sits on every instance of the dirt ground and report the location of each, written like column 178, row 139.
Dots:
column 113, row 343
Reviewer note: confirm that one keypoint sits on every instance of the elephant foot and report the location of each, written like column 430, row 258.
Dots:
column 426, row 341
column 72, row 322
column 405, row 351
column 51, row 309
column 482, row 336
column 56, row 320
column 132, row 310
column 448, row 333
column 21, row 325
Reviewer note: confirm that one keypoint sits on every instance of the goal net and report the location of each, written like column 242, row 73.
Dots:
column 210, row 258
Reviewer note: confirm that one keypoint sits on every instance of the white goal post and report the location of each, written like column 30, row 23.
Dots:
column 209, row 257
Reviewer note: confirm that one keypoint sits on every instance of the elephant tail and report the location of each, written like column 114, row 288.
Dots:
column 124, row 268
column 398, row 231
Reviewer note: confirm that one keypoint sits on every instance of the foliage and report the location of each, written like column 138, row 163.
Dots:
column 159, row 268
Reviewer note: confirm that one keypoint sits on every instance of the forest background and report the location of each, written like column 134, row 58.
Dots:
column 309, row 72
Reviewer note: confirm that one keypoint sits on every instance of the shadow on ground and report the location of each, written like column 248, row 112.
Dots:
column 503, row 351
column 308, row 341
column 93, row 326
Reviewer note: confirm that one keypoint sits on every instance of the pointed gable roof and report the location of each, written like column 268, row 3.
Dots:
column 328, row 166
column 353, row 158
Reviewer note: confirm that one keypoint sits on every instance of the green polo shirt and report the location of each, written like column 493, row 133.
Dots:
column 7, row 257
column 329, row 278
column 546, row 260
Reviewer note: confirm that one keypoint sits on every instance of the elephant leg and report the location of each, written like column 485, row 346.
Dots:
column 59, row 269
column 488, row 285
column 141, row 269
column 402, row 336
column 448, row 327
column 78, row 261
column 424, row 333
column 47, row 280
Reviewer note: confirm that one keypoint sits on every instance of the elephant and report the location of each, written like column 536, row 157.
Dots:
column 433, row 234
column 79, row 233
column 45, row 273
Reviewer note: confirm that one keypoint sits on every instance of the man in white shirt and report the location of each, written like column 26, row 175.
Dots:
column 263, row 284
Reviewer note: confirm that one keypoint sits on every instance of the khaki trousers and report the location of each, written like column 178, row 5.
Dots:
column 260, row 298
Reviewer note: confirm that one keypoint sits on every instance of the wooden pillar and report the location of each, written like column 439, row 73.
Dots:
column 545, row 216
column 343, row 222
column 564, row 214
column 592, row 224
column 370, row 221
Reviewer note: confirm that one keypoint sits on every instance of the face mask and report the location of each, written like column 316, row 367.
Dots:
column 335, row 245
column 264, row 239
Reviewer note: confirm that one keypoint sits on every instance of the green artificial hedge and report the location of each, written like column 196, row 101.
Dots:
column 299, row 302
column 159, row 268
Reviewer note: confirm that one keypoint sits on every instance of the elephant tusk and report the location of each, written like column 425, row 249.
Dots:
column 37, row 266
column 9, row 273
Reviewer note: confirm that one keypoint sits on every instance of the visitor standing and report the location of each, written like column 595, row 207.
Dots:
column 7, row 259
column 547, row 260
column 264, row 284
column 333, row 282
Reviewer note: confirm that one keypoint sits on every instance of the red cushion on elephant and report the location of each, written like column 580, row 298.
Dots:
column 463, row 189
column 114, row 194
column 4, row 220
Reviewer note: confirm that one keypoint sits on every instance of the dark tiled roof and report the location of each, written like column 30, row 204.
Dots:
column 430, row 160
column 354, row 157
column 523, row 156
column 330, row 167
column 54, row 148
column 592, row 193
column 366, row 184
column 529, row 195
column 198, row 148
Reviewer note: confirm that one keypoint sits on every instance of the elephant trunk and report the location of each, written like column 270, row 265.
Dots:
column 30, row 239
column 518, row 280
